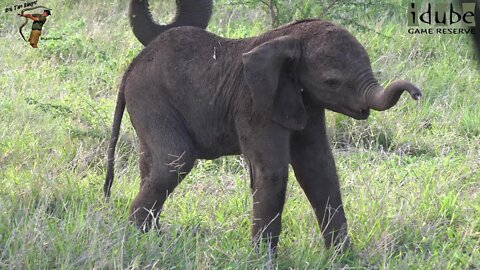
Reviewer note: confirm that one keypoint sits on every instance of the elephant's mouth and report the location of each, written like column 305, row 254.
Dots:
column 360, row 114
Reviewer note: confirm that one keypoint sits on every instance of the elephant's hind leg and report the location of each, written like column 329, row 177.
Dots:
column 167, row 157
column 145, row 162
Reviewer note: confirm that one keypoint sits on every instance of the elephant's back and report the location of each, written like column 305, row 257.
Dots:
column 189, row 57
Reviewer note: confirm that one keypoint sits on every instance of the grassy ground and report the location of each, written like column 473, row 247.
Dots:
column 410, row 176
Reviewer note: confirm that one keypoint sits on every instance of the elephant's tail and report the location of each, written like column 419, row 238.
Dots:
column 117, row 121
column 189, row 13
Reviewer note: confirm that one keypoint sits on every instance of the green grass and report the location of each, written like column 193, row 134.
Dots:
column 410, row 176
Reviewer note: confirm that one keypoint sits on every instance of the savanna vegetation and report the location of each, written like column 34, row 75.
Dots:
column 410, row 176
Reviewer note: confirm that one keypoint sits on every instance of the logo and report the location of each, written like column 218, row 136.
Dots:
column 441, row 18
column 37, row 14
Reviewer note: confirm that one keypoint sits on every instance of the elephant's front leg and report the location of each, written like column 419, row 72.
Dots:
column 268, row 190
column 314, row 168
column 268, row 154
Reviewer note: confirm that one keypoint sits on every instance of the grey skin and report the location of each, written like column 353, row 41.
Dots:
column 476, row 34
column 193, row 95
column 189, row 13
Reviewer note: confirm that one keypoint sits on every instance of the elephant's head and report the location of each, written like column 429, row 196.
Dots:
column 323, row 64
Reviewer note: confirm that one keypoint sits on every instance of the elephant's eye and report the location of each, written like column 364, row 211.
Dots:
column 332, row 83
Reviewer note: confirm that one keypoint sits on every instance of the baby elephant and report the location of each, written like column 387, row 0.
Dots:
column 194, row 95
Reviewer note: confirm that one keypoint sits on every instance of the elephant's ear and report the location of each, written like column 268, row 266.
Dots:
column 275, row 94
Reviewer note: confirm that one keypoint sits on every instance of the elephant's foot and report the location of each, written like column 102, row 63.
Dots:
column 265, row 242
column 339, row 240
column 146, row 206
column 144, row 218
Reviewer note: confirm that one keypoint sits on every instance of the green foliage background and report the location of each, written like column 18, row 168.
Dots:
column 410, row 176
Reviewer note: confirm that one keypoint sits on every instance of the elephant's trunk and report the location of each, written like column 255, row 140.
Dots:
column 381, row 99
column 189, row 13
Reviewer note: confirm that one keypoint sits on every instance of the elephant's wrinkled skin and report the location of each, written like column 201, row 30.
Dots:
column 193, row 95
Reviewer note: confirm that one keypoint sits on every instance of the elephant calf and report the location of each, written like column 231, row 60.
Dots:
column 194, row 95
